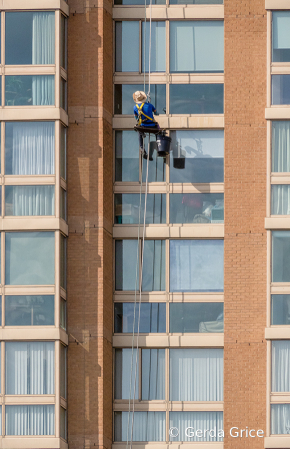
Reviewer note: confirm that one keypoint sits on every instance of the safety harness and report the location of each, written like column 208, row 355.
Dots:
column 141, row 115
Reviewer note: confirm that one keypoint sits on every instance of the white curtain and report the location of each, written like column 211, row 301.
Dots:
column 43, row 37
column 148, row 426
column 30, row 420
column 280, row 201
column 154, row 266
column 29, row 200
column 281, row 366
column 126, row 257
column 30, row 367
column 43, row 90
column 212, row 421
column 196, row 265
column 153, row 374
column 33, row 148
column 281, row 146
column 123, row 377
column 196, row 375
column 280, row 419
column 157, row 46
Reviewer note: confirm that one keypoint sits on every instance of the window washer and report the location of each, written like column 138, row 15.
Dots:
column 144, row 114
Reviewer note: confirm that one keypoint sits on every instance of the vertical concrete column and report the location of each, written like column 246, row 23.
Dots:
column 245, row 210
column 90, row 244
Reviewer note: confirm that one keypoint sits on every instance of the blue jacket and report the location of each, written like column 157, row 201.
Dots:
column 148, row 110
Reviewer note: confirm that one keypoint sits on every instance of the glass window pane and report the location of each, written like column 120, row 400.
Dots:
column 125, row 268
column 63, row 423
column 63, row 94
column 29, row 200
column 127, row 208
column 63, row 257
column 29, row 37
column 153, row 374
column 63, row 204
column 196, row 374
column 63, row 140
column 280, row 309
column 196, row 99
column 63, row 41
column 281, row 256
column 158, row 52
column 281, row 366
column 280, row 199
column 29, row 367
column 63, row 371
column 27, row 90
column 210, row 425
column 29, row 310
column 197, row 208
column 197, row 46
column 124, row 378
column 127, row 37
column 280, row 89
column 147, row 426
column 126, row 156
column 152, row 317
column 200, row 154
column 29, row 419
column 280, row 418
column 29, row 258
column 196, row 317
column 62, row 318
column 154, row 266
column 157, row 167
column 196, row 265
column 29, row 148
column 124, row 97
column 280, row 36
column 281, row 146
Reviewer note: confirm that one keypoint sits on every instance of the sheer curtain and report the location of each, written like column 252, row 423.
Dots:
column 43, row 90
column 153, row 374
column 280, row 419
column 211, row 421
column 123, row 364
column 280, row 201
column 281, row 365
column 43, row 37
column 148, row 426
column 30, row 368
column 33, row 148
column 281, row 146
column 29, row 200
column 196, row 375
column 154, row 266
column 29, row 419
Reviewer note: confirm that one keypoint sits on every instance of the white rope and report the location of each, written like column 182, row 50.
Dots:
column 149, row 71
column 144, row 48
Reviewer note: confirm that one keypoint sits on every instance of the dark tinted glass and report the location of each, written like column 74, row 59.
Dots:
column 127, row 208
column 281, row 256
column 280, row 36
column 196, row 99
column 280, row 89
column 124, row 103
column 197, row 208
column 196, row 317
column 29, row 310
column 280, row 309
column 152, row 317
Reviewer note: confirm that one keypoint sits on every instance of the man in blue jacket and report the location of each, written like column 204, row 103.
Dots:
column 144, row 114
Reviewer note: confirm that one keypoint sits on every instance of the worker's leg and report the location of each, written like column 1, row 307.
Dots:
column 141, row 141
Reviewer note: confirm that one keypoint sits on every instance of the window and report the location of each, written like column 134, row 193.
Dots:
column 153, row 374
column 127, row 208
column 202, row 421
column 29, row 37
column 280, row 89
column 63, row 139
column 124, row 380
column 280, row 309
column 123, row 97
column 196, row 317
column 197, row 46
column 62, row 317
column 280, row 366
column 29, row 367
column 281, row 256
column 281, row 146
column 63, row 94
column 197, row 208
column 196, row 265
column 63, row 423
column 147, row 426
column 30, row 419
column 29, row 148
column 280, row 418
column 29, row 200
column 280, row 199
column 196, row 98
column 158, row 50
column 280, row 36
column 29, row 90
column 63, row 41
column 29, row 310
column 29, row 258
column 63, row 256
column 125, row 265
column 63, row 204
column 152, row 317
column 63, row 371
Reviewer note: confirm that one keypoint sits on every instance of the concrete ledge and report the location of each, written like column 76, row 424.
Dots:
column 35, row 4
column 277, row 333
column 164, row 341
column 277, row 4
column 159, row 231
column 170, row 12
column 163, row 445
column 33, row 333
column 277, row 442
column 32, row 443
column 276, row 113
column 277, row 223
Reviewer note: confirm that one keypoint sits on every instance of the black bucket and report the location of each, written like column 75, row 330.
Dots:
column 163, row 145
column 179, row 162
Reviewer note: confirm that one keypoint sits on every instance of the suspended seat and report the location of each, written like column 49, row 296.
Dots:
column 148, row 129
